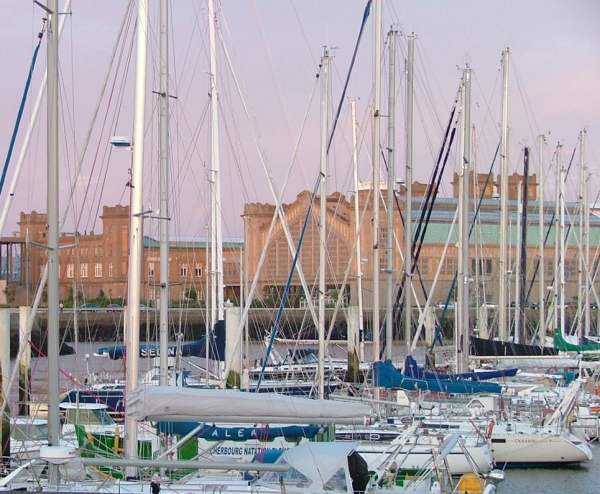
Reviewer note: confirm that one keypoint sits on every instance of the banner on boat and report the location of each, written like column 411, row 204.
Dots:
column 216, row 347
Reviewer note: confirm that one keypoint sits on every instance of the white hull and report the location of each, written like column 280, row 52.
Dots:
column 538, row 449
column 415, row 457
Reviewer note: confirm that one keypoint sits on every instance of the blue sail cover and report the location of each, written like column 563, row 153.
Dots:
column 212, row 432
column 412, row 369
column 385, row 375
column 216, row 347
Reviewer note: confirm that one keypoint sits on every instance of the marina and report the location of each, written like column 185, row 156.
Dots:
column 372, row 334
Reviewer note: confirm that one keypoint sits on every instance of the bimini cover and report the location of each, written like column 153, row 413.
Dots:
column 171, row 403
column 315, row 467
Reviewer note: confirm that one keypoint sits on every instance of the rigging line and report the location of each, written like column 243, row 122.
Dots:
column 289, row 282
column 366, row 14
column 279, row 212
column 484, row 188
column 552, row 219
column 432, row 190
column 94, row 117
column 22, row 106
column 525, row 100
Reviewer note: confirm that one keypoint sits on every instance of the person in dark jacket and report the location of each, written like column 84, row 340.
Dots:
column 359, row 472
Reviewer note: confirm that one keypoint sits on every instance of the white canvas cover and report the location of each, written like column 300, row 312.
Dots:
column 315, row 462
column 170, row 403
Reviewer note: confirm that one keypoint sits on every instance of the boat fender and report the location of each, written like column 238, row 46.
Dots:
column 491, row 428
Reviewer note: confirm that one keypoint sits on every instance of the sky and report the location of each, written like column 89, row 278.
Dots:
column 269, row 97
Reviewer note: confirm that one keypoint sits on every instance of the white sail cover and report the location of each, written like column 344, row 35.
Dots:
column 177, row 404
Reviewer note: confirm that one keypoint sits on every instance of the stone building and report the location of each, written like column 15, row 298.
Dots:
column 98, row 263
column 437, row 236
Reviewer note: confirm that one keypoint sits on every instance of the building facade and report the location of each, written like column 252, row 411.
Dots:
column 98, row 263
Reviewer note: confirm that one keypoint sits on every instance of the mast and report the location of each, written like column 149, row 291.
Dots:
column 562, row 250
column 376, row 187
column 323, row 219
column 361, row 329
column 164, row 192
column 542, row 265
column 503, row 270
column 389, row 320
column 135, row 250
column 518, row 286
column 583, row 302
column 586, row 235
column 408, row 258
column 557, row 232
column 53, row 232
column 522, row 257
column 217, row 311
column 462, row 319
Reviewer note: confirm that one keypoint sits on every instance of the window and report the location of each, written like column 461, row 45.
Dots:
column 230, row 269
column 84, row 270
column 183, row 271
column 98, row 270
column 481, row 266
column 423, row 266
column 198, row 271
column 151, row 269
column 449, row 267
column 70, row 270
column 548, row 270
column 110, row 270
column 571, row 268
column 152, row 294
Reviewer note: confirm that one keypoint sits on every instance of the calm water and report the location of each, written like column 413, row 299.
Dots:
column 580, row 480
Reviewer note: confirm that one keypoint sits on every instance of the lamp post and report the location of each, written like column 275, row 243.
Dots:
column 244, row 289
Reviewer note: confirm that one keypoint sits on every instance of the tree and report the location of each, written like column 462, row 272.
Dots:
column 11, row 293
column 191, row 294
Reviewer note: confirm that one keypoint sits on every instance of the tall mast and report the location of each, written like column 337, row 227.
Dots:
column 503, row 268
column 135, row 249
column 518, row 286
column 522, row 246
column 557, row 233
column 361, row 329
column 563, row 252
column 462, row 319
column 323, row 218
column 586, row 235
column 217, row 311
column 408, row 181
column 583, row 298
column 389, row 320
column 53, row 231
column 164, row 191
column 542, row 265
column 376, row 181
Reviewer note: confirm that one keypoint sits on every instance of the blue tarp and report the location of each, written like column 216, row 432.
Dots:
column 412, row 369
column 385, row 375
column 193, row 349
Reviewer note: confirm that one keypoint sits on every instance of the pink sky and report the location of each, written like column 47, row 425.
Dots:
column 275, row 47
